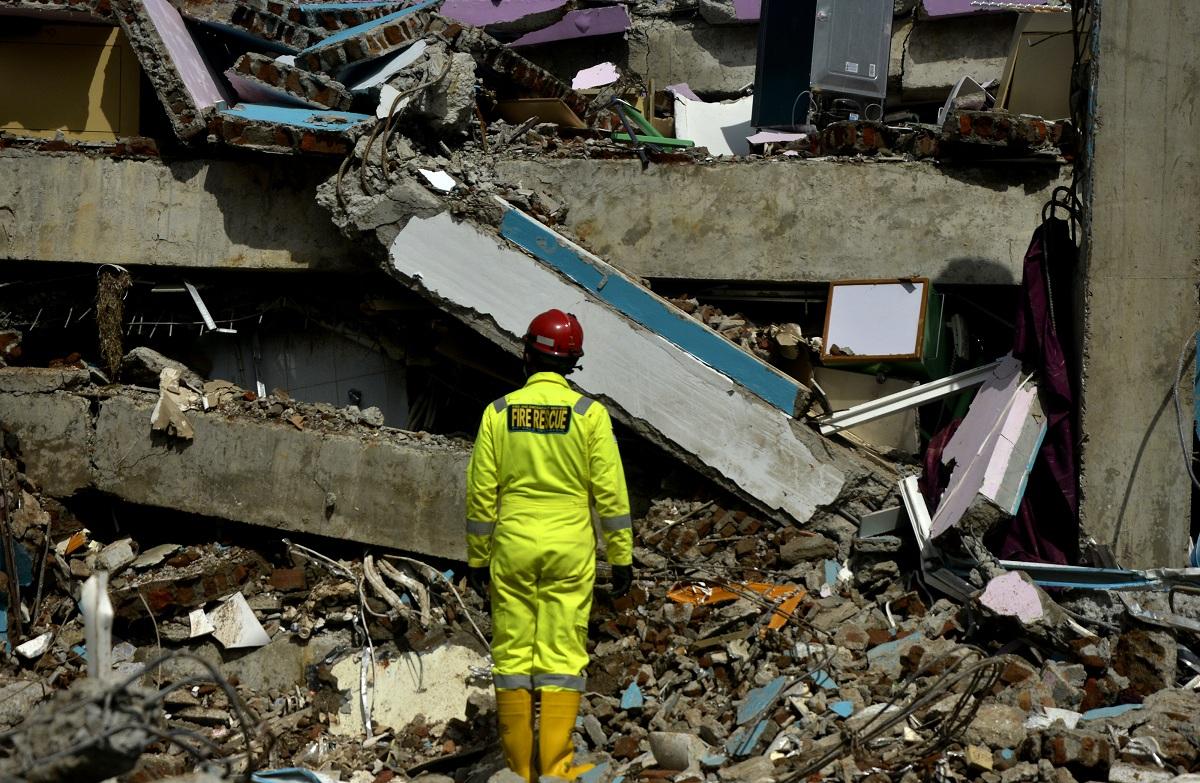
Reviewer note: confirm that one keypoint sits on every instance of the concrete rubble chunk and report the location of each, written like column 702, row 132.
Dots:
column 143, row 366
column 115, row 557
column 1148, row 658
column 262, row 79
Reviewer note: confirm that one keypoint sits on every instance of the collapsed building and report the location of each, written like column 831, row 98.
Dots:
column 913, row 467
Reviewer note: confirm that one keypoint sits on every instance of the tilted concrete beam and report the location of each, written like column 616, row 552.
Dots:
column 705, row 414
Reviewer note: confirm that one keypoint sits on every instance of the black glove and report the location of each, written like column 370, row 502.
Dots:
column 478, row 578
column 622, row 580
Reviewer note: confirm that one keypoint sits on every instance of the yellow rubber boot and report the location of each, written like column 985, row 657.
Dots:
column 555, row 751
column 515, row 711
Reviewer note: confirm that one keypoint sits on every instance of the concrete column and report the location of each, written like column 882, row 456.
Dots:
column 1140, row 295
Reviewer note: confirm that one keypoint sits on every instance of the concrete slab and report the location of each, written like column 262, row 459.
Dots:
column 269, row 473
column 793, row 220
column 258, row 213
column 665, row 393
column 54, row 432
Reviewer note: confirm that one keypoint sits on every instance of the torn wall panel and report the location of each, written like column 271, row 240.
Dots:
column 697, row 412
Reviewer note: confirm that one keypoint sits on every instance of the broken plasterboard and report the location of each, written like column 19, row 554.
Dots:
column 992, row 451
column 897, row 432
column 235, row 626
column 596, row 76
column 721, row 127
column 435, row 684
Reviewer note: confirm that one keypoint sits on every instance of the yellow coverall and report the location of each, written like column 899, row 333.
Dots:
column 541, row 454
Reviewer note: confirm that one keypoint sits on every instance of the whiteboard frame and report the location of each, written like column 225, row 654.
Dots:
column 918, row 349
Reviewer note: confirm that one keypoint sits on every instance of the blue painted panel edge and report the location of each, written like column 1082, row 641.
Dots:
column 292, row 115
column 350, row 32
column 648, row 310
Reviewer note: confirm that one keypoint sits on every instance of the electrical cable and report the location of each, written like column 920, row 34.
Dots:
column 1188, row 457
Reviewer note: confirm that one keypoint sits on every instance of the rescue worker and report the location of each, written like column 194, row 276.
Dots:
column 542, row 453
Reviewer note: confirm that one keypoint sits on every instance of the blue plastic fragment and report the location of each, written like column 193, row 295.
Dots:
column 759, row 700
column 632, row 698
column 743, row 741
column 891, row 648
column 595, row 774
column 448, row 574
column 844, row 708
column 80, row 650
column 1008, row 754
column 1101, row 713
column 286, row 775
column 3, row 627
column 822, row 678
column 832, row 569
column 24, row 564
column 713, row 760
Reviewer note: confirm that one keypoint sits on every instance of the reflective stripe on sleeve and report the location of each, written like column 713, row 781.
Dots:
column 479, row 528
column 613, row 524
column 499, row 405
column 581, row 407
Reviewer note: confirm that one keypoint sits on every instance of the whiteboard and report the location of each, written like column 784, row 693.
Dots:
column 875, row 319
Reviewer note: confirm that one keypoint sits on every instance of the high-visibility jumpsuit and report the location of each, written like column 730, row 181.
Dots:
column 542, row 453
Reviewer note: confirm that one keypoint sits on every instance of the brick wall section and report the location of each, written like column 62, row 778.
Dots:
column 378, row 40
column 312, row 89
column 186, row 117
column 251, row 17
column 270, row 137
column 984, row 127
column 532, row 80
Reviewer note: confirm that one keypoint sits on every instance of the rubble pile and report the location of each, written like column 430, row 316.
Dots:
column 777, row 343
column 745, row 652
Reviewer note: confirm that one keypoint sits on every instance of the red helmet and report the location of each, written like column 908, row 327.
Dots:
column 556, row 333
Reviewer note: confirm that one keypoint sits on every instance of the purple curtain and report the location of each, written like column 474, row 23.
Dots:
column 1046, row 527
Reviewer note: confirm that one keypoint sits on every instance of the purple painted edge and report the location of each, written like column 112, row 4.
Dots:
column 606, row 20
column 747, row 10
column 683, row 89
column 194, row 71
column 939, row 9
column 481, row 13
